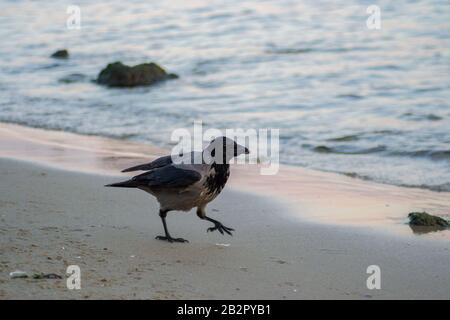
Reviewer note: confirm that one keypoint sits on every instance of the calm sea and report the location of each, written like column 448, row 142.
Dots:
column 368, row 103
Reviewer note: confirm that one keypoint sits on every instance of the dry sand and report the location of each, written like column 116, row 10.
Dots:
column 51, row 218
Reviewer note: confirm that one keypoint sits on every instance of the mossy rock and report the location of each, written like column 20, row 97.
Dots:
column 119, row 75
column 60, row 54
column 426, row 220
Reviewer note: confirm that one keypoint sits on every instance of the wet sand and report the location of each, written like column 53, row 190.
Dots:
column 311, row 195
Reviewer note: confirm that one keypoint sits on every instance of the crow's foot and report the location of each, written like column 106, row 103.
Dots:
column 221, row 228
column 170, row 239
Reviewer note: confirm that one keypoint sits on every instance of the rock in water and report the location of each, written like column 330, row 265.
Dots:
column 119, row 75
column 426, row 220
column 60, row 54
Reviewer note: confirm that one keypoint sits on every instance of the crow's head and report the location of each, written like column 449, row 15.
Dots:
column 223, row 149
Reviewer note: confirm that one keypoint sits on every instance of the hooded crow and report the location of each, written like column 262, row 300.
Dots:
column 183, row 186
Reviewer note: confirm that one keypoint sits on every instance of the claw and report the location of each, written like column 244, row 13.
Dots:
column 221, row 228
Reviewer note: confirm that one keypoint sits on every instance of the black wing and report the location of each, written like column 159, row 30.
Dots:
column 191, row 157
column 158, row 163
column 165, row 177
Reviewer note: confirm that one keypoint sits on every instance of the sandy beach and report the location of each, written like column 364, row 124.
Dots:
column 339, row 110
column 55, row 212
column 310, row 195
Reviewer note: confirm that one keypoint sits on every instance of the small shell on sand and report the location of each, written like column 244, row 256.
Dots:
column 222, row 244
column 18, row 274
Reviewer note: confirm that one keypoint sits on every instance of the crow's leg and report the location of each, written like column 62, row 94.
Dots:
column 217, row 225
column 167, row 237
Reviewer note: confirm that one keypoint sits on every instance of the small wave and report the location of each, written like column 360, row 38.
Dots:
column 350, row 96
column 124, row 136
column 312, row 49
column 445, row 187
column 215, row 16
column 48, row 66
column 430, row 154
column 352, row 137
column 386, row 132
column 35, row 124
column 207, row 66
column 433, row 117
column 72, row 78
column 421, row 117
column 430, row 89
column 290, row 51
column 348, row 150
column 385, row 67
column 356, row 175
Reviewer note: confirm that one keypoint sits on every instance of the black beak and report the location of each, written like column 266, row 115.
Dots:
column 240, row 147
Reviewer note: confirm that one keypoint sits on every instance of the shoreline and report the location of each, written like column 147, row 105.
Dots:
column 314, row 196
